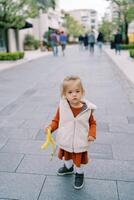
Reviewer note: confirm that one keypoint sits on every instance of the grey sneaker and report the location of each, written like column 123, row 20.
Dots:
column 65, row 171
column 79, row 181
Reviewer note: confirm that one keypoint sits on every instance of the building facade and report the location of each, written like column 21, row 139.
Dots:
column 87, row 17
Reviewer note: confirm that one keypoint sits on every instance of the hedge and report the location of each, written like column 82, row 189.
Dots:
column 131, row 53
column 127, row 46
column 11, row 55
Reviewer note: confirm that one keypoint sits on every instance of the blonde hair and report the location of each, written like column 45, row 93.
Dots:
column 66, row 83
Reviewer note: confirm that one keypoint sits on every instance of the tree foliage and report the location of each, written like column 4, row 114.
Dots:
column 45, row 4
column 107, row 28
column 130, row 14
column 13, row 13
column 74, row 28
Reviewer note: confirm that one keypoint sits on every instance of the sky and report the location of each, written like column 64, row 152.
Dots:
column 98, row 5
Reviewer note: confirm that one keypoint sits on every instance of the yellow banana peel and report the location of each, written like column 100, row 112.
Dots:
column 49, row 141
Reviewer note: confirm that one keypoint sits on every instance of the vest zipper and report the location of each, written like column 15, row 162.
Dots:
column 73, row 136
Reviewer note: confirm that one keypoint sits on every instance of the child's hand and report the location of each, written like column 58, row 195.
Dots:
column 45, row 130
column 90, row 138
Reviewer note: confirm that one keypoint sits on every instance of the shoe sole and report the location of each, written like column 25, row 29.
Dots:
column 78, row 188
column 66, row 173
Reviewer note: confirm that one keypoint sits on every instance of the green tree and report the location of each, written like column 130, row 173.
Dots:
column 45, row 4
column 125, row 15
column 74, row 28
column 107, row 28
column 14, row 13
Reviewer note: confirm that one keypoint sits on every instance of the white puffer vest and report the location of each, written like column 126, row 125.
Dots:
column 73, row 131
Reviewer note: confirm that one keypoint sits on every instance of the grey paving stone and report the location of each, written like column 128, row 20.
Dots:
column 126, row 190
column 99, row 113
column 8, row 199
column 29, row 92
column 18, row 133
column 12, row 123
column 9, row 161
column 100, row 148
column 32, row 110
column 2, row 120
column 33, row 123
column 130, row 119
column 9, row 109
column 40, row 135
column 102, row 126
column 110, row 170
column 28, row 108
column 111, row 118
column 123, row 108
column 20, row 186
column 100, row 156
column 35, row 115
column 114, row 138
column 40, row 165
column 121, row 128
column 58, row 188
column 3, row 141
column 123, row 152
column 25, row 147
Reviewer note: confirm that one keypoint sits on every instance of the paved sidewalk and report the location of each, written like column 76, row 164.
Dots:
column 29, row 96
column 123, row 61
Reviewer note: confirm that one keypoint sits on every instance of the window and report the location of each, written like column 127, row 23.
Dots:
column 84, row 18
column 92, row 21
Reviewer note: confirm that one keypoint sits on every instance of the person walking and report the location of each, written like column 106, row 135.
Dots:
column 63, row 42
column 54, row 42
column 91, row 41
column 85, row 39
column 76, row 129
column 80, row 41
column 100, row 40
column 118, row 42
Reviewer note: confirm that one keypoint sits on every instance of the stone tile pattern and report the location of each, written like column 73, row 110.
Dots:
column 29, row 98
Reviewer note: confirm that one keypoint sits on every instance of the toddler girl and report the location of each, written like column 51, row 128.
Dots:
column 76, row 129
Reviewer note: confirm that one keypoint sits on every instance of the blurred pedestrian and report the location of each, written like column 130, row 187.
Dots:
column 54, row 42
column 63, row 42
column 76, row 129
column 100, row 40
column 118, row 42
column 80, row 40
column 85, row 39
column 91, row 41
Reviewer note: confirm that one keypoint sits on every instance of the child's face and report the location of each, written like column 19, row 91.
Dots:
column 74, row 93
